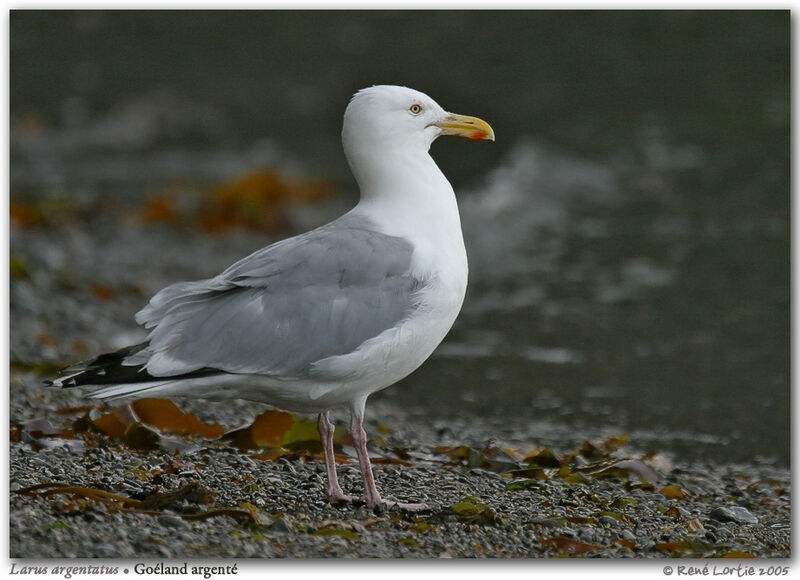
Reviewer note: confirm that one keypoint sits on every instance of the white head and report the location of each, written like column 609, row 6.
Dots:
column 387, row 117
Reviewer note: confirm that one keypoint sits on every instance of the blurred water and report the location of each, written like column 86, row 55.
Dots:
column 628, row 232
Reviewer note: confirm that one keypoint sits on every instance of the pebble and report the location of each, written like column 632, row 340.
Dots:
column 736, row 514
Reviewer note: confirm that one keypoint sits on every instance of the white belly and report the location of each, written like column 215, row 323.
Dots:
column 393, row 354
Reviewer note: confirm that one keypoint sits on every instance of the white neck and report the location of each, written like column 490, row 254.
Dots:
column 406, row 194
column 408, row 188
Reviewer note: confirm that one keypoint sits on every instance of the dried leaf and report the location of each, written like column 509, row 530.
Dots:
column 679, row 546
column 166, row 415
column 530, row 473
column 543, row 457
column 685, row 547
column 471, row 509
column 590, row 451
column 301, row 431
column 159, row 208
column 25, row 214
column 192, row 492
column 128, row 423
column 52, row 488
column 268, row 454
column 38, row 212
column 522, row 484
column 332, row 531
column 409, row 541
column 469, row 506
column 275, row 433
column 110, row 424
column 103, row 291
column 674, row 492
column 140, row 436
column 391, row 461
column 624, row 502
column 43, row 368
column 493, row 456
column 567, row 545
column 80, row 345
column 569, row 476
column 256, row 200
column 270, row 427
column 617, row 467
column 576, row 519
column 497, row 458
column 457, row 452
column 267, row 431
column 18, row 267
column 615, row 442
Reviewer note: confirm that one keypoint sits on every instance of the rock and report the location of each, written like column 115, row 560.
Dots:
column 735, row 514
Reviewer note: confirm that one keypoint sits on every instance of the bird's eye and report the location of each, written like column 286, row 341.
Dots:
column 415, row 109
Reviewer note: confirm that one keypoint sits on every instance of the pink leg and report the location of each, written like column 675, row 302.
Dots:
column 335, row 493
column 371, row 495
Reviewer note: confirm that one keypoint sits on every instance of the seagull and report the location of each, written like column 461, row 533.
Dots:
column 320, row 321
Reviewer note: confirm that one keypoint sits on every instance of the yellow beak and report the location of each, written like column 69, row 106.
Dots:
column 464, row 126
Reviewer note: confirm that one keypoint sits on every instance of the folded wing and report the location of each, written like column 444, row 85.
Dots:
column 275, row 312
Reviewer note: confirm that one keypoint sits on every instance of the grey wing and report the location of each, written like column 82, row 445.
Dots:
column 285, row 307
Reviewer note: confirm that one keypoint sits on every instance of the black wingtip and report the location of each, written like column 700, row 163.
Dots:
column 61, row 383
column 110, row 369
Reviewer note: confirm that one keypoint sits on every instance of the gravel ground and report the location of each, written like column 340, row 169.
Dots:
column 72, row 295
column 257, row 508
